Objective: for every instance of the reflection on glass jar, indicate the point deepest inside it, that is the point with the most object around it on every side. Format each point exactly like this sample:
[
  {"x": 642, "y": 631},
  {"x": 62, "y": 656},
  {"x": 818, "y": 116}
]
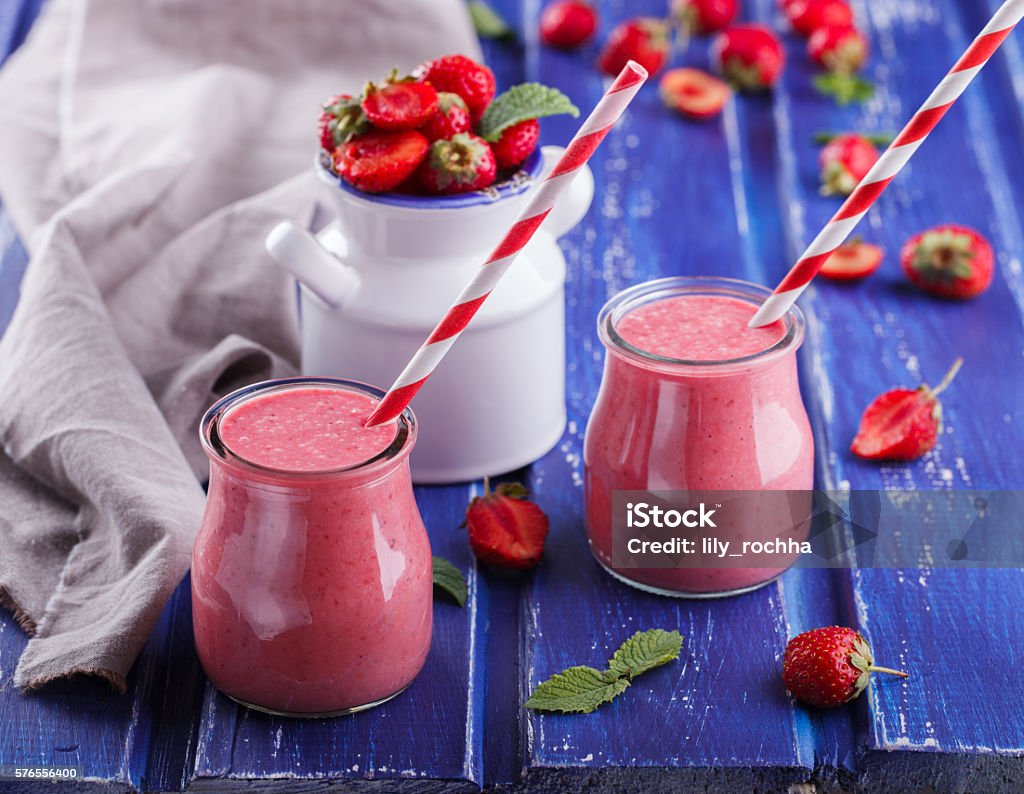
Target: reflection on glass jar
[
  {"x": 311, "y": 572},
  {"x": 693, "y": 400}
]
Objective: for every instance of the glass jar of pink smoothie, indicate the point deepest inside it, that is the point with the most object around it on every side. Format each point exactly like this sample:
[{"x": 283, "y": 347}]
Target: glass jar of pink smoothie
[
  {"x": 311, "y": 572},
  {"x": 694, "y": 400}
]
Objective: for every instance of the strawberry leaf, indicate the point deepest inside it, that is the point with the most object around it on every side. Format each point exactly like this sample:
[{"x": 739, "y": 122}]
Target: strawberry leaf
[
  {"x": 487, "y": 22},
  {"x": 578, "y": 690},
  {"x": 844, "y": 88},
  {"x": 521, "y": 103},
  {"x": 450, "y": 580},
  {"x": 644, "y": 651}
]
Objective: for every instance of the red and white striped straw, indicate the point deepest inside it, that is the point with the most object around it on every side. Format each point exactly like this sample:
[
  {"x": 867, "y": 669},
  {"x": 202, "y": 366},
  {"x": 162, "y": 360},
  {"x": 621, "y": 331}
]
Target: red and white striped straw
[
  {"x": 490, "y": 272},
  {"x": 889, "y": 164}
]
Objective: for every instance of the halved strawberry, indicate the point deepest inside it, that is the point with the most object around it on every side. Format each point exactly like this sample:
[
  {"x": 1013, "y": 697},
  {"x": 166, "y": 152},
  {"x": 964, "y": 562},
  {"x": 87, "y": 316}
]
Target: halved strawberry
[
  {"x": 853, "y": 260},
  {"x": 902, "y": 424},
  {"x": 506, "y": 529},
  {"x": 693, "y": 92},
  {"x": 380, "y": 160},
  {"x": 399, "y": 104}
]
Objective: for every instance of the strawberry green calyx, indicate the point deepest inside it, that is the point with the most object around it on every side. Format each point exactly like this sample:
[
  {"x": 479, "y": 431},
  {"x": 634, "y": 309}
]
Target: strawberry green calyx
[
  {"x": 862, "y": 660},
  {"x": 944, "y": 255},
  {"x": 744, "y": 76},
  {"x": 342, "y": 119},
  {"x": 459, "y": 163},
  {"x": 933, "y": 394}
]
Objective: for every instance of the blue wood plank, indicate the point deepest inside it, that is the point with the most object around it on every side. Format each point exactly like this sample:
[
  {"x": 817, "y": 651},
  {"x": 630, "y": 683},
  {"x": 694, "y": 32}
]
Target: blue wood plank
[
  {"x": 932, "y": 729},
  {"x": 673, "y": 198}
]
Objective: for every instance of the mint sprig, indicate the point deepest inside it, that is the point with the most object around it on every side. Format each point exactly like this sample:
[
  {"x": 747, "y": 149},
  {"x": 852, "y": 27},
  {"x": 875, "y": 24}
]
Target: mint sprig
[
  {"x": 521, "y": 103},
  {"x": 580, "y": 690},
  {"x": 450, "y": 580},
  {"x": 844, "y": 88}
]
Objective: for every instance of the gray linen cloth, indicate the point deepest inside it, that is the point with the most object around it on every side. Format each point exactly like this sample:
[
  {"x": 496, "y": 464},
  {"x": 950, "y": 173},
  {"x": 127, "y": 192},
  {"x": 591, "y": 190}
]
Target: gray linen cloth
[{"x": 146, "y": 147}]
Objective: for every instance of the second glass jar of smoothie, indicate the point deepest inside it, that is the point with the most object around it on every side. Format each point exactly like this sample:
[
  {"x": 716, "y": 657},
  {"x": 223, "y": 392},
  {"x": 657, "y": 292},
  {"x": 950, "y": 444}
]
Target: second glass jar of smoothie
[
  {"x": 694, "y": 400},
  {"x": 311, "y": 571}
]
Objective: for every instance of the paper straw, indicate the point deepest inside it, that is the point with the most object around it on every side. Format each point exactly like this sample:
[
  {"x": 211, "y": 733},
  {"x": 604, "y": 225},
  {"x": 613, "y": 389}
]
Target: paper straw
[
  {"x": 490, "y": 272},
  {"x": 889, "y": 164}
]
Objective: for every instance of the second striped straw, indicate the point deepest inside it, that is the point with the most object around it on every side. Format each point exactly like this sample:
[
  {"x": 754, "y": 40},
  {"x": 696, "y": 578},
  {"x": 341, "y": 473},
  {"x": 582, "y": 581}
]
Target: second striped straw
[{"x": 889, "y": 164}]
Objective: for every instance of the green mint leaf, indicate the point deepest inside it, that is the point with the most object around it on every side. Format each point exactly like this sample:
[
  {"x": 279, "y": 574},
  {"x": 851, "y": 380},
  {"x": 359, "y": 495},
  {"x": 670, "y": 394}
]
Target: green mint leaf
[
  {"x": 644, "y": 651},
  {"x": 450, "y": 580},
  {"x": 578, "y": 690},
  {"x": 844, "y": 88},
  {"x": 488, "y": 22},
  {"x": 582, "y": 689},
  {"x": 520, "y": 103},
  {"x": 879, "y": 139}
]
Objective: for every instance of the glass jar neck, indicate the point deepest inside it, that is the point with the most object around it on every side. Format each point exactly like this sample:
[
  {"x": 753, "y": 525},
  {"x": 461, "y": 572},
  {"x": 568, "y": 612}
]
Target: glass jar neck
[
  {"x": 629, "y": 300},
  {"x": 233, "y": 465}
]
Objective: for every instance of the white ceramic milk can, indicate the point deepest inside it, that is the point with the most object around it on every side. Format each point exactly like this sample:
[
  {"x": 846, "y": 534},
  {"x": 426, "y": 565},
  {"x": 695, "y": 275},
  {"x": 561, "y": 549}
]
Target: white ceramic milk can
[{"x": 375, "y": 281}]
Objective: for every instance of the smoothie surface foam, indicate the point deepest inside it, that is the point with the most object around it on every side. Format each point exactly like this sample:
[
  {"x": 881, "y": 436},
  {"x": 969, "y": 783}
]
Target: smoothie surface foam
[
  {"x": 305, "y": 429},
  {"x": 697, "y": 328}
]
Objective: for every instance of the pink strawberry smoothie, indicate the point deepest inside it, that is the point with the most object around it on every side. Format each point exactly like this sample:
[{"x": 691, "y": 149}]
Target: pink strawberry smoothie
[
  {"x": 311, "y": 572},
  {"x": 693, "y": 399}
]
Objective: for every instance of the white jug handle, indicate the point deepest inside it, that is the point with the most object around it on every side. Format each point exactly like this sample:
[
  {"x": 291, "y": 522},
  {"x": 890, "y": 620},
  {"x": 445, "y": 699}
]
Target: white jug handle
[
  {"x": 574, "y": 203},
  {"x": 302, "y": 255}
]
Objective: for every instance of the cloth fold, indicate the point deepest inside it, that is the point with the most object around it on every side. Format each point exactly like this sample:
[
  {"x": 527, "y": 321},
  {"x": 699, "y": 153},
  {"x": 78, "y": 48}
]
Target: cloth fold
[{"x": 157, "y": 142}]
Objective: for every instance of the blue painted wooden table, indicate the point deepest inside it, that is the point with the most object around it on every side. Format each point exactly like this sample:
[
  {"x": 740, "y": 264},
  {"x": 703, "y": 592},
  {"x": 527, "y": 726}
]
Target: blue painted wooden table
[{"x": 737, "y": 197}]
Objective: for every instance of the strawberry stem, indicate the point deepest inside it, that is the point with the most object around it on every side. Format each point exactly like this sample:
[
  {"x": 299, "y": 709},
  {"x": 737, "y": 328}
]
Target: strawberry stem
[
  {"x": 900, "y": 673},
  {"x": 487, "y": 485},
  {"x": 948, "y": 379}
]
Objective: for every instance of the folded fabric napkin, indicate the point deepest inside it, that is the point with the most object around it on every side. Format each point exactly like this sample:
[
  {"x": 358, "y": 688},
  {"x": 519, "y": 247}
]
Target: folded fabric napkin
[{"x": 146, "y": 147}]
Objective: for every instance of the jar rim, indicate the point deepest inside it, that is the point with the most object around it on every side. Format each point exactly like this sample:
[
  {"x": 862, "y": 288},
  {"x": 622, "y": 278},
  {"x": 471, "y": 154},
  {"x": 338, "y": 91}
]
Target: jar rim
[
  {"x": 638, "y": 295},
  {"x": 216, "y": 449}
]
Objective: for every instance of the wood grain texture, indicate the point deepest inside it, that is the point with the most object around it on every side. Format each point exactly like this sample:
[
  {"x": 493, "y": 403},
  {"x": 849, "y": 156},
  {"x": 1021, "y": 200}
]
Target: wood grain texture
[{"x": 736, "y": 196}]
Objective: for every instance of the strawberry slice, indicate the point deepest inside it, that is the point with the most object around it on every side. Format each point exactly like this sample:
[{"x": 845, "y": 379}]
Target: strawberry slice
[
  {"x": 399, "y": 104},
  {"x": 693, "y": 92},
  {"x": 505, "y": 528},
  {"x": 902, "y": 424},
  {"x": 380, "y": 160},
  {"x": 853, "y": 260}
]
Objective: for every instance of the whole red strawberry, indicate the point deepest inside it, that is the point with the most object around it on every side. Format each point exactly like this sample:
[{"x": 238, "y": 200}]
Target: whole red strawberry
[
  {"x": 829, "y": 666},
  {"x": 566, "y": 24},
  {"x": 750, "y": 56},
  {"x": 808, "y": 16},
  {"x": 516, "y": 143},
  {"x": 380, "y": 160},
  {"x": 700, "y": 17},
  {"x": 399, "y": 104},
  {"x": 949, "y": 261},
  {"x": 450, "y": 118},
  {"x": 341, "y": 118},
  {"x": 902, "y": 424},
  {"x": 458, "y": 165},
  {"x": 460, "y": 75},
  {"x": 644, "y": 40},
  {"x": 506, "y": 529},
  {"x": 845, "y": 161},
  {"x": 838, "y": 48}
]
